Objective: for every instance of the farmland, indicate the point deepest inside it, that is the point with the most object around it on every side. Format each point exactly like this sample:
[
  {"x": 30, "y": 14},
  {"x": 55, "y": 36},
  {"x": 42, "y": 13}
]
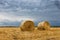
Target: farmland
[{"x": 17, "y": 34}]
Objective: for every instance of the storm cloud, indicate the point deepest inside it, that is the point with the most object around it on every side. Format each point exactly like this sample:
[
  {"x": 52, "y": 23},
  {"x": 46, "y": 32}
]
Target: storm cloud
[{"x": 14, "y": 11}]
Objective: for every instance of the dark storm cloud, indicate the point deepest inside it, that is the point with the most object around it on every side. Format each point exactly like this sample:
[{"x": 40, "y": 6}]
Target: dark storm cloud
[{"x": 27, "y": 9}]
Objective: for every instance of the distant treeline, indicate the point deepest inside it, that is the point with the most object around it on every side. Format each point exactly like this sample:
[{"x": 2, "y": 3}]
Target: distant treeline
[
  {"x": 7, "y": 26},
  {"x": 18, "y": 26},
  {"x": 55, "y": 26}
]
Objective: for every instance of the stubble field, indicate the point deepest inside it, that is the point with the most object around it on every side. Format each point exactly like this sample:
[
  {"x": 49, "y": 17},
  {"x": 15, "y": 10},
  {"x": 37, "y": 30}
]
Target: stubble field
[{"x": 17, "y": 34}]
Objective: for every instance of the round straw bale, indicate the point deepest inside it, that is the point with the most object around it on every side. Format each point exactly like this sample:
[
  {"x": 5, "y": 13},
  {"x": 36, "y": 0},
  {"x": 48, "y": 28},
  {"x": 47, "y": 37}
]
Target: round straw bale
[
  {"x": 45, "y": 25},
  {"x": 27, "y": 25}
]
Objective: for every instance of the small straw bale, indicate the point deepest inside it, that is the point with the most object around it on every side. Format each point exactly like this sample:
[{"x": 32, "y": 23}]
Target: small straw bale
[
  {"x": 27, "y": 25},
  {"x": 45, "y": 25}
]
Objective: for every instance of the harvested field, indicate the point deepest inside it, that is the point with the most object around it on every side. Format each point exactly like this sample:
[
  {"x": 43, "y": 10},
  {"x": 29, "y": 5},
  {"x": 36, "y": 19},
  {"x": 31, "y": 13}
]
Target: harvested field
[{"x": 17, "y": 34}]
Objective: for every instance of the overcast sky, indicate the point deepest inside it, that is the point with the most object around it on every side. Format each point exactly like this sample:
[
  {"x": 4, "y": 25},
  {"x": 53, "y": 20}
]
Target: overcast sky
[{"x": 12, "y": 12}]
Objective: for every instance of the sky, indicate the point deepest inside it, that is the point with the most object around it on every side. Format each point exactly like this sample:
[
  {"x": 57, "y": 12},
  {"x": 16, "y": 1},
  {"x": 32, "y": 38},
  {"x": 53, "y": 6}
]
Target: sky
[{"x": 12, "y": 12}]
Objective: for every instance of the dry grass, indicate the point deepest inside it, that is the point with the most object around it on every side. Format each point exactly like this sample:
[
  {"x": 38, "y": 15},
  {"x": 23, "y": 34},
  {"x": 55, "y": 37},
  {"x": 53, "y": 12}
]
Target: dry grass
[{"x": 17, "y": 34}]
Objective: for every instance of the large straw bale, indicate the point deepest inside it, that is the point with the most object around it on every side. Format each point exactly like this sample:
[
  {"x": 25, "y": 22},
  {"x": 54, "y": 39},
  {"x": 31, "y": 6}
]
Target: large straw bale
[
  {"x": 27, "y": 25},
  {"x": 45, "y": 25}
]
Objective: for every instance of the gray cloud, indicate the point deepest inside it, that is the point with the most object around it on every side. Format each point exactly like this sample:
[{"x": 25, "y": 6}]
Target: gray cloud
[{"x": 17, "y": 10}]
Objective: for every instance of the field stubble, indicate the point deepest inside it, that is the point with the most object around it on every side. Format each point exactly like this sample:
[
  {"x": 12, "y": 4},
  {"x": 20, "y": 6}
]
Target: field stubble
[{"x": 17, "y": 34}]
